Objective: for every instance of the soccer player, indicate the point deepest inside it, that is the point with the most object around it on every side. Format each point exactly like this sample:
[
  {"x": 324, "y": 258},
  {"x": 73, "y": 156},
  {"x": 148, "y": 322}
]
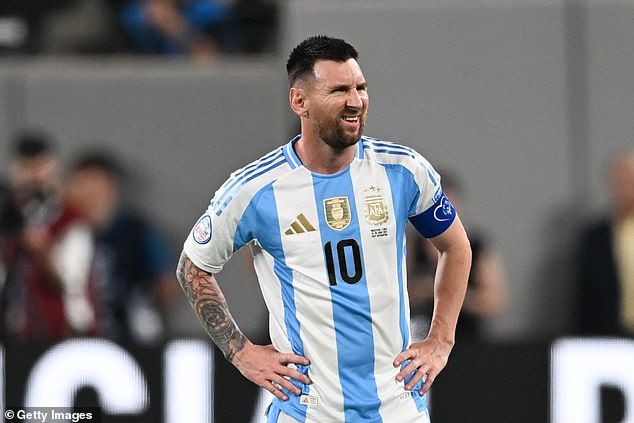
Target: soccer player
[{"x": 325, "y": 217}]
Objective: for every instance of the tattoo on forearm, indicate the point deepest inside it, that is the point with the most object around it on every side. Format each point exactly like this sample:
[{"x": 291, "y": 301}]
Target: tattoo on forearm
[{"x": 210, "y": 306}]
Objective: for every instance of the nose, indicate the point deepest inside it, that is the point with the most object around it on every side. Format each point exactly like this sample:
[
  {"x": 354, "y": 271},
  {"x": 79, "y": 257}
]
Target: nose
[{"x": 355, "y": 100}]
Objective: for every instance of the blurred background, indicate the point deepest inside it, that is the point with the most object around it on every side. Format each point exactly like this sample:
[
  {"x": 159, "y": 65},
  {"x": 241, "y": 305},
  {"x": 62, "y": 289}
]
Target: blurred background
[{"x": 527, "y": 102}]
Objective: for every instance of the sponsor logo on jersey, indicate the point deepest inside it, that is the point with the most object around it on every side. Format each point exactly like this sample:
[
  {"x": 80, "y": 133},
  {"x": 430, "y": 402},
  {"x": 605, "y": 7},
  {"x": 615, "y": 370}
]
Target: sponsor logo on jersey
[
  {"x": 300, "y": 225},
  {"x": 374, "y": 207},
  {"x": 444, "y": 211},
  {"x": 337, "y": 211},
  {"x": 202, "y": 230},
  {"x": 309, "y": 400}
]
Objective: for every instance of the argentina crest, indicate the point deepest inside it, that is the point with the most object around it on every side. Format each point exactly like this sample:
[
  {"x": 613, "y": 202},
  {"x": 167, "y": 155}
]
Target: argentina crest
[
  {"x": 337, "y": 211},
  {"x": 374, "y": 206}
]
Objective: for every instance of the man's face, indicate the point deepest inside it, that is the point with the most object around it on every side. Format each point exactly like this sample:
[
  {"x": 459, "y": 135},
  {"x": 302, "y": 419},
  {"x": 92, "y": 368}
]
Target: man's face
[
  {"x": 337, "y": 100},
  {"x": 93, "y": 192},
  {"x": 37, "y": 174}
]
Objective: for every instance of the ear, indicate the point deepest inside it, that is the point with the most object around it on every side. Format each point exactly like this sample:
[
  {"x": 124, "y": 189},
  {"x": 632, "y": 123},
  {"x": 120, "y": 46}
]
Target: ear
[{"x": 298, "y": 102}]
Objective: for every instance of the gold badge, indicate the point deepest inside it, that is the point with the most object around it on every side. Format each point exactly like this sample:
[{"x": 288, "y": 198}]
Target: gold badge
[
  {"x": 337, "y": 210},
  {"x": 376, "y": 211}
]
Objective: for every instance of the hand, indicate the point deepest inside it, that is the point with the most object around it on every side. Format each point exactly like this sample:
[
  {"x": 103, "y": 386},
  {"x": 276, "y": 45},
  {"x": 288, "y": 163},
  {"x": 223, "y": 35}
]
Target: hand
[
  {"x": 267, "y": 367},
  {"x": 426, "y": 359}
]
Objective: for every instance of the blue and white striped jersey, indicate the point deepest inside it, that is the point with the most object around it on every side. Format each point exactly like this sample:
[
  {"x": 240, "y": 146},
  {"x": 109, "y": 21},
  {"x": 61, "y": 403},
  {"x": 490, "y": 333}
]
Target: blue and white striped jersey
[{"x": 329, "y": 252}]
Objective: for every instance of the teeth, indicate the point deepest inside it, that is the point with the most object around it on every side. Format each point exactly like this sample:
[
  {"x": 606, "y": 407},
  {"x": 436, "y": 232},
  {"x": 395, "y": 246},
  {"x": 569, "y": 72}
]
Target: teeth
[{"x": 350, "y": 118}]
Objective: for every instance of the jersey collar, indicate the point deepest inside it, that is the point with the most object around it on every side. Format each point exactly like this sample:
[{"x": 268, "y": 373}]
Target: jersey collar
[{"x": 294, "y": 161}]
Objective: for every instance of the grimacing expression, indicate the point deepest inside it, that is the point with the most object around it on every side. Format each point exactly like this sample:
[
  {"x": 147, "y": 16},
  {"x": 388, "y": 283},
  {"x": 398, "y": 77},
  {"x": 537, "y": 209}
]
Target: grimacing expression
[{"x": 338, "y": 102}]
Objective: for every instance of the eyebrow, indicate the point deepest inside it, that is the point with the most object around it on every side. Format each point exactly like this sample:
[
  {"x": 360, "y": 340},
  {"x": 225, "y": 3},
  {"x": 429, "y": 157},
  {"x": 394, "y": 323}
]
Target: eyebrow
[{"x": 345, "y": 86}]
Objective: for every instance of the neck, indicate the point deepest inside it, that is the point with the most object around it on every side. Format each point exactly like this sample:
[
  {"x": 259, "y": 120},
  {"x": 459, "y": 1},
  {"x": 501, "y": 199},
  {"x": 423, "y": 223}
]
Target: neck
[{"x": 319, "y": 157}]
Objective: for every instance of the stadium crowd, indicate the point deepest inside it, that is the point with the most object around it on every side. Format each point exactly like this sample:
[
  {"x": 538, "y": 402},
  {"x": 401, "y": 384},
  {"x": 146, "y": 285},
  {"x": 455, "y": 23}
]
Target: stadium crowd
[
  {"x": 200, "y": 29},
  {"x": 75, "y": 260}
]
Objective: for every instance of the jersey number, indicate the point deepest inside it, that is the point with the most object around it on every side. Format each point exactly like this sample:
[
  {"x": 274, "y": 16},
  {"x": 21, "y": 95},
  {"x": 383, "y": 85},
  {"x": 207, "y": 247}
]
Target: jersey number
[{"x": 344, "y": 270}]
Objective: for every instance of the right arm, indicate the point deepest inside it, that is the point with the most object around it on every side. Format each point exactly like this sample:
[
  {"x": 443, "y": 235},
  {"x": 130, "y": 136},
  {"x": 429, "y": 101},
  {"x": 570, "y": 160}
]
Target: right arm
[{"x": 262, "y": 365}]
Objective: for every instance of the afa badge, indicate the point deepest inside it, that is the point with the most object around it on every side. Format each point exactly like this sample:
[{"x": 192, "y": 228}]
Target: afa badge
[
  {"x": 375, "y": 210},
  {"x": 337, "y": 211},
  {"x": 202, "y": 230}
]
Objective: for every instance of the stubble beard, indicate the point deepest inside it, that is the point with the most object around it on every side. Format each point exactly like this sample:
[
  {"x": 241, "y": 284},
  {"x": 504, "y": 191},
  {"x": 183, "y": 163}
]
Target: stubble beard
[{"x": 337, "y": 138}]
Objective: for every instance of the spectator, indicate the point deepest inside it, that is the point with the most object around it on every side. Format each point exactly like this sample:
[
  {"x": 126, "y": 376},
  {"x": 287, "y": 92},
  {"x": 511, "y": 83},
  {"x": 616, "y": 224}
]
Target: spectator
[
  {"x": 487, "y": 289},
  {"x": 22, "y": 23},
  {"x": 134, "y": 261},
  {"x": 196, "y": 28},
  {"x": 606, "y": 259},
  {"x": 48, "y": 254}
]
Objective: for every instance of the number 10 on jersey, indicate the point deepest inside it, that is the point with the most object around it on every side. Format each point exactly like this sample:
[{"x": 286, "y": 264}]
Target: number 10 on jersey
[{"x": 347, "y": 249}]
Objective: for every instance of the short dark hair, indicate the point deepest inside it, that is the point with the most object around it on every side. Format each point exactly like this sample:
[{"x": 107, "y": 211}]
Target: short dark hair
[
  {"x": 30, "y": 144},
  {"x": 302, "y": 59},
  {"x": 103, "y": 161}
]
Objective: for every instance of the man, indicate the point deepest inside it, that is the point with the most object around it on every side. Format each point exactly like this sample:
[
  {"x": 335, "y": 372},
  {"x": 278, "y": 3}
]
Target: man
[
  {"x": 325, "y": 216},
  {"x": 606, "y": 260},
  {"x": 134, "y": 259},
  {"x": 48, "y": 260}
]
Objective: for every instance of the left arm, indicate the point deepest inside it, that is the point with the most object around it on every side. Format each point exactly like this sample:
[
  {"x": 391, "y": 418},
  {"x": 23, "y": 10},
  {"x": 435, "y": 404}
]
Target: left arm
[{"x": 429, "y": 357}]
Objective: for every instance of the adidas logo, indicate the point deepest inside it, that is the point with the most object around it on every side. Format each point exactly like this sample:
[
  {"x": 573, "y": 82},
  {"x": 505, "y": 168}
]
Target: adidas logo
[{"x": 300, "y": 225}]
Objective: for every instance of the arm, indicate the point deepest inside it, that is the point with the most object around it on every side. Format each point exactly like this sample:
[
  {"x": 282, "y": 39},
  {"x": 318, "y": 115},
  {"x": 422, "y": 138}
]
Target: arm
[
  {"x": 262, "y": 365},
  {"x": 429, "y": 357},
  {"x": 488, "y": 296}
]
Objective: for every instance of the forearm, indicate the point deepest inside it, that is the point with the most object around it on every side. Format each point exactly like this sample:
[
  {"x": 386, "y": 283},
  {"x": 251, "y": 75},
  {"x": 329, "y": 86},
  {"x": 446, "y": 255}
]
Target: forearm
[
  {"x": 206, "y": 298},
  {"x": 449, "y": 291}
]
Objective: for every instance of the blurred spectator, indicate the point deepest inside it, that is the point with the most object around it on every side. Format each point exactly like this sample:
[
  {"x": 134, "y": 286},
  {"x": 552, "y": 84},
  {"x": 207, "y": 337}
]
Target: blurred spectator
[
  {"x": 200, "y": 29},
  {"x": 196, "y": 28},
  {"x": 134, "y": 262},
  {"x": 606, "y": 260},
  {"x": 487, "y": 290},
  {"x": 257, "y": 24},
  {"x": 22, "y": 22},
  {"x": 90, "y": 27},
  {"x": 47, "y": 252}
]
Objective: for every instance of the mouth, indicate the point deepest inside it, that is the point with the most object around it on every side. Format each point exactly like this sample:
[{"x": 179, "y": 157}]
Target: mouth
[{"x": 352, "y": 119}]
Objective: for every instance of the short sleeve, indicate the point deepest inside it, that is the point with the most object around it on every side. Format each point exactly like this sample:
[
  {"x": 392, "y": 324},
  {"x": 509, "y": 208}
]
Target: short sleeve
[
  {"x": 212, "y": 241},
  {"x": 432, "y": 212}
]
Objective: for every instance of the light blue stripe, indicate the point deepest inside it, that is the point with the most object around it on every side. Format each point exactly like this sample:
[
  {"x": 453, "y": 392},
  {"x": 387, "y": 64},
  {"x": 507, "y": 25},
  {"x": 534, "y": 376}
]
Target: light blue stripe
[
  {"x": 260, "y": 220},
  {"x": 394, "y": 153},
  {"x": 400, "y": 150},
  {"x": 351, "y": 308},
  {"x": 374, "y": 143},
  {"x": 239, "y": 178},
  {"x": 219, "y": 208},
  {"x": 290, "y": 153},
  {"x": 402, "y": 181},
  {"x": 359, "y": 152},
  {"x": 238, "y": 173}
]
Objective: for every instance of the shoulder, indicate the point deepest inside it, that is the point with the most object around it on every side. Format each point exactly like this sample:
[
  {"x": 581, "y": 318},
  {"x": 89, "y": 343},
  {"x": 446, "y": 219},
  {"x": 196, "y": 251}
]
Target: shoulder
[
  {"x": 387, "y": 152},
  {"x": 400, "y": 158},
  {"x": 245, "y": 183}
]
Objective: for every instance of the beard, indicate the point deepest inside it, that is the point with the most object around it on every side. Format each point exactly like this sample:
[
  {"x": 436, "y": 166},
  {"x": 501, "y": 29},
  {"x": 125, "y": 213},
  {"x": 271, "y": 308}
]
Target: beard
[{"x": 335, "y": 135}]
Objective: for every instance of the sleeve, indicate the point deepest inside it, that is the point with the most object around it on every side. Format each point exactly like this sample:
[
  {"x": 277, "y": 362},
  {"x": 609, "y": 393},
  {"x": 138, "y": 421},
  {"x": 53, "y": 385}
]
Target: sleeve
[
  {"x": 213, "y": 239},
  {"x": 431, "y": 212}
]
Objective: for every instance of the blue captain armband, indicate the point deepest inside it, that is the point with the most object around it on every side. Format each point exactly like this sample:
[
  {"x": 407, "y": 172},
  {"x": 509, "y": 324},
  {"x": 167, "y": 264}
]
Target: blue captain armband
[{"x": 436, "y": 219}]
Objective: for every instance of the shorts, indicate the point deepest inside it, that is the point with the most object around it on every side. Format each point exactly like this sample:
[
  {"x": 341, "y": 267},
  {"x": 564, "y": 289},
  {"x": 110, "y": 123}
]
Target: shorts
[{"x": 275, "y": 415}]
